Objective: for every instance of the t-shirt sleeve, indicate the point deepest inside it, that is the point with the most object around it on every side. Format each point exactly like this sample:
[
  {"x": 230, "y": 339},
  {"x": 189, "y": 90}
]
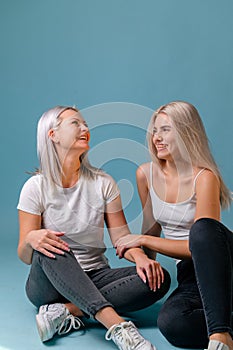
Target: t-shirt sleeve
[
  {"x": 30, "y": 199},
  {"x": 110, "y": 189}
]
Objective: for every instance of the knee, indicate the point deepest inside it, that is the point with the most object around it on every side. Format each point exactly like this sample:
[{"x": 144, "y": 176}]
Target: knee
[{"x": 201, "y": 232}]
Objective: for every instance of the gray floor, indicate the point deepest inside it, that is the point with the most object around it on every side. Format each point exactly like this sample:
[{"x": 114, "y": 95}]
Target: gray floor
[{"x": 17, "y": 323}]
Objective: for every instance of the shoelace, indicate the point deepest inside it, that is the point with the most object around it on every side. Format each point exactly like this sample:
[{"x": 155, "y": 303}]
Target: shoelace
[
  {"x": 70, "y": 322},
  {"x": 129, "y": 337}
]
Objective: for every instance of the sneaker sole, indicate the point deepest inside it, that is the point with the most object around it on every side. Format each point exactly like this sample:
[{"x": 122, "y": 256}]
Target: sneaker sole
[{"x": 42, "y": 329}]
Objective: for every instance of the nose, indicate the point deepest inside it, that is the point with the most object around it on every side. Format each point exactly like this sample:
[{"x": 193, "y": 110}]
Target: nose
[
  {"x": 157, "y": 136},
  {"x": 84, "y": 127}
]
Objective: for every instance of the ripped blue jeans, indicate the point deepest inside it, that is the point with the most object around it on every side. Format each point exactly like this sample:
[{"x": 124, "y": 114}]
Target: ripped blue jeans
[{"x": 63, "y": 280}]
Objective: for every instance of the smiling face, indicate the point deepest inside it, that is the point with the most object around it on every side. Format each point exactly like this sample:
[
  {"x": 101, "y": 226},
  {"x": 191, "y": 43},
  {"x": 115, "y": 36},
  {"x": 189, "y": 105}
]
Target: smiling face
[
  {"x": 71, "y": 133},
  {"x": 164, "y": 138}
]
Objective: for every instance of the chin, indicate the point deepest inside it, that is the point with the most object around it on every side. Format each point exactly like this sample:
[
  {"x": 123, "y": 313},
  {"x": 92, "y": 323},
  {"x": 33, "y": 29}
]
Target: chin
[{"x": 163, "y": 156}]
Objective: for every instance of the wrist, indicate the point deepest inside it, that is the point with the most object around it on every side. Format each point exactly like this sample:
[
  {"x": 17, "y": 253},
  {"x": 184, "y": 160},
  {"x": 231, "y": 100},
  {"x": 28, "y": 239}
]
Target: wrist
[
  {"x": 133, "y": 254},
  {"x": 144, "y": 241},
  {"x": 139, "y": 255}
]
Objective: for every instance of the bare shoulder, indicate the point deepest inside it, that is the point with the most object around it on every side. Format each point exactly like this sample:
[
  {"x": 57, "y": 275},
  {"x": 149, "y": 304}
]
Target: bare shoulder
[
  {"x": 207, "y": 181},
  {"x": 207, "y": 177},
  {"x": 143, "y": 172}
]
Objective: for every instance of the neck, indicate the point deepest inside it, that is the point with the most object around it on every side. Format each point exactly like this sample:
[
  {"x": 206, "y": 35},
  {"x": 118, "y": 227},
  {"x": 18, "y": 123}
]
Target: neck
[
  {"x": 70, "y": 171},
  {"x": 179, "y": 167}
]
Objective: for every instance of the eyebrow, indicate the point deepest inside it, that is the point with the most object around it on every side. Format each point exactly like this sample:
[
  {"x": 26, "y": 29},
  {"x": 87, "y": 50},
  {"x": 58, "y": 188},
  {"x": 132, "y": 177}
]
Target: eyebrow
[
  {"x": 76, "y": 117},
  {"x": 163, "y": 126}
]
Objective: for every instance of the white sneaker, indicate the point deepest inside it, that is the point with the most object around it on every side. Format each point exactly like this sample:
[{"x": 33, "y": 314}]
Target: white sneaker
[
  {"x": 217, "y": 345},
  {"x": 126, "y": 336},
  {"x": 55, "y": 318}
]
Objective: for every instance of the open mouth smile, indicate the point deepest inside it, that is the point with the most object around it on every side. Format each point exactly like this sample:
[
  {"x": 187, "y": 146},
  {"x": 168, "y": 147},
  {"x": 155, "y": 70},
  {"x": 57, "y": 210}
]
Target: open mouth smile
[
  {"x": 84, "y": 137},
  {"x": 161, "y": 147}
]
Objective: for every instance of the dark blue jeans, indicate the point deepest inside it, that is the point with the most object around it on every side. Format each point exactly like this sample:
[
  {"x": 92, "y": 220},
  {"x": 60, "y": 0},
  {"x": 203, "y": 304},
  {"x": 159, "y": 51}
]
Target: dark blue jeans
[
  {"x": 62, "y": 280},
  {"x": 202, "y": 303}
]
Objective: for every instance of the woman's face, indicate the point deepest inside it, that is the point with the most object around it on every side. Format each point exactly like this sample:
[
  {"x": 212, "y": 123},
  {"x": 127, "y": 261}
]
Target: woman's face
[
  {"x": 72, "y": 132},
  {"x": 164, "y": 137}
]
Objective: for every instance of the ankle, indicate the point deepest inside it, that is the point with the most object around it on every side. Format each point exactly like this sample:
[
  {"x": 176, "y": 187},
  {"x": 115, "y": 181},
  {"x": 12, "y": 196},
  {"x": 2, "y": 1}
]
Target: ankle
[
  {"x": 108, "y": 317},
  {"x": 74, "y": 310},
  {"x": 224, "y": 338}
]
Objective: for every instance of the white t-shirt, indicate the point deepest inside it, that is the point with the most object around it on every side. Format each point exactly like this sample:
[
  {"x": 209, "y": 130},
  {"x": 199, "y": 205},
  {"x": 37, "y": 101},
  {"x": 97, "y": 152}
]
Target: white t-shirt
[{"x": 78, "y": 211}]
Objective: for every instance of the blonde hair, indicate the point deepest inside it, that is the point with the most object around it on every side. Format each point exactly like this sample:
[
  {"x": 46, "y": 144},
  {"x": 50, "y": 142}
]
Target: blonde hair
[
  {"x": 191, "y": 132},
  {"x": 50, "y": 165}
]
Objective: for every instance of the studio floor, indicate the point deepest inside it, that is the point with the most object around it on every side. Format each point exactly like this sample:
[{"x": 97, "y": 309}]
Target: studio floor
[{"x": 17, "y": 323}]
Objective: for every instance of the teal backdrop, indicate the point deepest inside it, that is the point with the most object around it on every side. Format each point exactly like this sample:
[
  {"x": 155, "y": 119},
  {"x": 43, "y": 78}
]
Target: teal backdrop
[{"x": 103, "y": 54}]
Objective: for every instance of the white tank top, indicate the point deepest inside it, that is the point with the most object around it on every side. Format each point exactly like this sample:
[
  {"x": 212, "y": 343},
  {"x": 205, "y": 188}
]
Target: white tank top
[{"x": 175, "y": 219}]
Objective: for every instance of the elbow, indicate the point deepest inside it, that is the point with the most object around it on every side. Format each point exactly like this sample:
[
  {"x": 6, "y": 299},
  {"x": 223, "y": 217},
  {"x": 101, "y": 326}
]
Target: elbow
[
  {"x": 25, "y": 259},
  {"x": 19, "y": 253},
  {"x": 26, "y": 262}
]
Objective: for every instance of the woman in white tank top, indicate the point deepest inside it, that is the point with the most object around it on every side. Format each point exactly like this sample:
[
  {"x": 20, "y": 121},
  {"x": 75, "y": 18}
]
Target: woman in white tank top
[{"x": 182, "y": 193}]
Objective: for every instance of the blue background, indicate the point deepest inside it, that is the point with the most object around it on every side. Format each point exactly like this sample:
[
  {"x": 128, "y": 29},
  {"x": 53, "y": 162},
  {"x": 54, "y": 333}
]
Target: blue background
[
  {"x": 88, "y": 52},
  {"x": 116, "y": 60}
]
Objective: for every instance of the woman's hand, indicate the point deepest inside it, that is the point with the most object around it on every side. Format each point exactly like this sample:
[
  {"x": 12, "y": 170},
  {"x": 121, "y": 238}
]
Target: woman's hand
[
  {"x": 47, "y": 242},
  {"x": 126, "y": 242},
  {"x": 150, "y": 271}
]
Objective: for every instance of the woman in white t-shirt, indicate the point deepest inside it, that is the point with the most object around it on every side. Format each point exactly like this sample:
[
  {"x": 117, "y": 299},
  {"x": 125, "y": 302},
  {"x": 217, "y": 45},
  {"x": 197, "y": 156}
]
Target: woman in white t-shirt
[
  {"x": 182, "y": 192},
  {"x": 62, "y": 210}
]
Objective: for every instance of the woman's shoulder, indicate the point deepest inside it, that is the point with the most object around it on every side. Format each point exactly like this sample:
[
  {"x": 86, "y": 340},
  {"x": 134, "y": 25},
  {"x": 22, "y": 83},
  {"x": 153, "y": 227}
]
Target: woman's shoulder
[
  {"x": 206, "y": 177},
  {"x": 104, "y": 180},
  {"x": 30, "y": 199},
  {"x": 143, "y": 173},
  {"x": 144, "y": 168},
  {"x": 33, "y": 180},
  {"x": 107, "y": 186}
]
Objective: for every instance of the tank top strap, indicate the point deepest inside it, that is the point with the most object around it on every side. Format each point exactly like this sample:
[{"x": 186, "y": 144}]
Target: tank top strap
[{"x": 195, "y": 179}]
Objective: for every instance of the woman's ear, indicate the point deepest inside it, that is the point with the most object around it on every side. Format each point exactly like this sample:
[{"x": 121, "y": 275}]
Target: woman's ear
[{"x": 52, "y": 135}]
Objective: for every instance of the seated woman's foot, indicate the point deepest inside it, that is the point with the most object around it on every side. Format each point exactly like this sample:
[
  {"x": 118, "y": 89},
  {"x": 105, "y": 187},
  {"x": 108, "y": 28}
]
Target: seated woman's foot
[
  {"x": 126, "y": 336},
  {"x": 55, "y": 318}
]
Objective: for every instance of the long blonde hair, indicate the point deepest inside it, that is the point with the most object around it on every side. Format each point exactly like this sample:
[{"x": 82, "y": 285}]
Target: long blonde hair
[
  {"x": 191, "y": 131},
  {"x": 50, "y": 165}
]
